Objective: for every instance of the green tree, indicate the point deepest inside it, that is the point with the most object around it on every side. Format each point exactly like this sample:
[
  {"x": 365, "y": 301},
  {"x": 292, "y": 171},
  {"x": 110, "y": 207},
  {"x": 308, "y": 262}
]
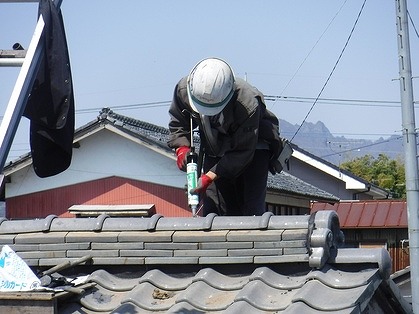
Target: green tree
[{"x": 382, "y": 171}]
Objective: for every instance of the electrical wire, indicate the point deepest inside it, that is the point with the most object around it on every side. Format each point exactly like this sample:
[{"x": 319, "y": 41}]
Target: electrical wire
[
  {"x": 127, "y": 107},
  {"x": 311, "y": 50},
  {"x": 413, "y": 24},
  {"x": 364, "y": 146},
  {"x": 336, "y": 101},
  {"x": 332, "y": 71}
]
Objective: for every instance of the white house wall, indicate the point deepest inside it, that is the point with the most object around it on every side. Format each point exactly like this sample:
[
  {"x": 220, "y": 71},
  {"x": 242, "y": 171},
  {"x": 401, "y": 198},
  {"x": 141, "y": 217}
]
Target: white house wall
[
  {"x": 101, "y": 155},
  {"x": 320, "y": 179}
]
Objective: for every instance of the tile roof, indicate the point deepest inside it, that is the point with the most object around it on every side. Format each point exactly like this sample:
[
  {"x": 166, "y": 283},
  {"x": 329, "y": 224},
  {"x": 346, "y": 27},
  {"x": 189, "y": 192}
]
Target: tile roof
[
  {"x": 285, "y": 182},
  {"x": 263, "y": 264},
  {"x": 368, "y": 214}
]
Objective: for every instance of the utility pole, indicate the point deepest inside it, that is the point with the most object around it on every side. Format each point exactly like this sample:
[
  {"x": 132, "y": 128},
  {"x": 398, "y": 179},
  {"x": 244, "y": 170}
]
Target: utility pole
[{"x": 409, "y": 143}]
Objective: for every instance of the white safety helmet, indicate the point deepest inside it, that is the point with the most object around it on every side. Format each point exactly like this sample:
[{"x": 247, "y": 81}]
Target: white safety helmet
[{"x": 210, "y": 86}]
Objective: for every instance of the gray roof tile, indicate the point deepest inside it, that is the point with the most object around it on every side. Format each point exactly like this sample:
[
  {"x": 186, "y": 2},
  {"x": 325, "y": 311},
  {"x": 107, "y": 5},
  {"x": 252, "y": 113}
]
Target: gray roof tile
[
  {"x": 111, "y": 282},
  {"x": 209, "y": 291},
  {"x": 267, "y": 264},
  {"x": 276, "y": 280}
]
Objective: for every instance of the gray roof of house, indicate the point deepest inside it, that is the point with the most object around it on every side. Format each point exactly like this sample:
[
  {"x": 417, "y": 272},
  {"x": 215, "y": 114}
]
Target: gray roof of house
[{"x": 213, "y": 264}]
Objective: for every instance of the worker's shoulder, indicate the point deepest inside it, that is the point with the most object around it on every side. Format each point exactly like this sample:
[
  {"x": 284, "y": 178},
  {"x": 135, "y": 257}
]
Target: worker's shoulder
[
  {"x": 248, "y": 95},
  {"x": 182, "y": 83},
  {"x": 246, "y": 90},
  {"x": 180, "y": 89}
]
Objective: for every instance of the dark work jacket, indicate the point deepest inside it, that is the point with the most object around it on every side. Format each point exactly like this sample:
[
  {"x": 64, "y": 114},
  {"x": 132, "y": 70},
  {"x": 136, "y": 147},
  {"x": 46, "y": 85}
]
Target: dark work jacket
[
  {"x": 233, "y": 135},
  {"x": 50, "y": 106}
]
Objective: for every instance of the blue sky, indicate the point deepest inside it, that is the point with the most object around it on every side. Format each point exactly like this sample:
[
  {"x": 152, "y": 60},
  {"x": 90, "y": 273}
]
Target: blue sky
[{"x": 128, "y": 54}]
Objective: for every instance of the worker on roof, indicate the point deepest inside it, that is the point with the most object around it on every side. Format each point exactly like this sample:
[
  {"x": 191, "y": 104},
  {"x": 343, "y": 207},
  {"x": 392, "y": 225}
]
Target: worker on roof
[{"x": 239, "y": 138}]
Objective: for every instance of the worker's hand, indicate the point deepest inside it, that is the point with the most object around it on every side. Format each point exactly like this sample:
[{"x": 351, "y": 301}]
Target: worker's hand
[
  {"x": 275, "y": 166},
  {"x": 181, "y": 154},
  {"x": 202, "y": 185}
]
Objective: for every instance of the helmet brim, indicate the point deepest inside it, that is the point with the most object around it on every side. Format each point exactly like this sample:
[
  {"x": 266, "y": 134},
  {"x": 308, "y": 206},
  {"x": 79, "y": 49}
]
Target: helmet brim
[{"x": 208, "y": 109}]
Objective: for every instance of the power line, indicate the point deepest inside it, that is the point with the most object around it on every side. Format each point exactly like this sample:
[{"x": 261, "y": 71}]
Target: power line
[
  {"x": 311, "y": 50},
  {"x": 364, "y": 146},
  {"x": 127, "y": 107},
  {"x": 413, "y": 24},
  {"x": 332, "y": 71},
  {"x": 335, "y": 101}
]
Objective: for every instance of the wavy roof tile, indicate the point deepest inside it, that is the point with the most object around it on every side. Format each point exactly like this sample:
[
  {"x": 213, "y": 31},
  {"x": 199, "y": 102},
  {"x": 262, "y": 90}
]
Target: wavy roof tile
[{"x": 213, "y": 264}]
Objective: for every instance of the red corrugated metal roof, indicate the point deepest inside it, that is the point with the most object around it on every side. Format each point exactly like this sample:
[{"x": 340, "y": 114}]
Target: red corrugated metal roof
[{"x": 368, "y": 214}]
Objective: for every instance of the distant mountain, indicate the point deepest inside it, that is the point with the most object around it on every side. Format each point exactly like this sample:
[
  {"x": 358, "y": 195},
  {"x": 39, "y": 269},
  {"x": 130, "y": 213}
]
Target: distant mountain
[{"x": 316, "y": 139}]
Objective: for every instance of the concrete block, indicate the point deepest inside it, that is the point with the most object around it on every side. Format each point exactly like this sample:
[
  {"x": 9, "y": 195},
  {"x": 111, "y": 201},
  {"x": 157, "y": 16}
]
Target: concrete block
[
  {"x": 225, "y": 245},
  {"x": 93, "y": 253},
  {"x": 65, "y": 246},
  {"x": 146, "y": 253},
  {"x": 55, "y": 261},
  {"x": 31, "y": 262},
  {"x": 295, "y": 234},
  {"x": 7, "y": 239},
  {"x": 88, "y": 236},
  {"x": 118, "y": 246},
  {"x": 255, "y": 252},
  {"x": 118, "y": 261},
  {"x": 293, "y": 251},
  {"x": 171, "y": 246},
  {"x": 254, "y": 235},
  {"x": 199, "y": 253},
  {"x": 42, "y": 254},
  {"x": 38, "y": 238},
  {"x": 280, "y": 244},
  {"x": 226, "y": 260},
  {"x": 171, "y": 261},
  {"x": 145, "y": 236},
  {"x": 24, "y": 247},
  {"x": 200, "y": 236}
]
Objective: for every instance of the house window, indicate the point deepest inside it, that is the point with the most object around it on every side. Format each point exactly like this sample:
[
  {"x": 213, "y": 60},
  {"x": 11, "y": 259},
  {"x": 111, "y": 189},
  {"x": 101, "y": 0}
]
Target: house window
[{"x": 284, "y": 210}]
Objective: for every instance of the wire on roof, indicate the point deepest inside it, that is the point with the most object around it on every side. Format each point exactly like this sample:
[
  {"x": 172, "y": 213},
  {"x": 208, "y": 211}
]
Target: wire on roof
[{"x": 332, "y": 71}]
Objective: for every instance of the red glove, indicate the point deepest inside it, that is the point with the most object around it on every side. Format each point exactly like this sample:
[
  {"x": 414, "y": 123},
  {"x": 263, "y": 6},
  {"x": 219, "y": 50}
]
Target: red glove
[
  {"x": 181, "y": 153},
  {"x": 202, "y": 185}
]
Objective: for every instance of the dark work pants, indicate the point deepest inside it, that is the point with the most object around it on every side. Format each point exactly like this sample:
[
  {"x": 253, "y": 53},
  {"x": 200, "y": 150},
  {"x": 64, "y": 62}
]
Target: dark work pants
[{"x": 241, "y": 196}]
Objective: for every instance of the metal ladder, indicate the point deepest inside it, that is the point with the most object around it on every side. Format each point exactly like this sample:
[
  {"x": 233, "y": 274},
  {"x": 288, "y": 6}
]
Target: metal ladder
[{"x": 29, "y": 61}]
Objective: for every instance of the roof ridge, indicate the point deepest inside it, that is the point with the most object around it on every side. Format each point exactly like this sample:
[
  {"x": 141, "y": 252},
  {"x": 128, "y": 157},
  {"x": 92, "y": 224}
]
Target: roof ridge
[
  {"x": 189, "y": 240},
  {"x": 108, "y": 114}
]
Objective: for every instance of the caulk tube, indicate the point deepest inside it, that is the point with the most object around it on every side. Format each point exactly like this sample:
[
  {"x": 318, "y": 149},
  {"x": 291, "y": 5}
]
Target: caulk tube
[{"x": 192, "y": 179}]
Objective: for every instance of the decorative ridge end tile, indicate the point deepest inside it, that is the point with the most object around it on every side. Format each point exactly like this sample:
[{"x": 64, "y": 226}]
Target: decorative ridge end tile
[
  {"x": 324, "y": 236},
  {"x": 379, "y": 256}
]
